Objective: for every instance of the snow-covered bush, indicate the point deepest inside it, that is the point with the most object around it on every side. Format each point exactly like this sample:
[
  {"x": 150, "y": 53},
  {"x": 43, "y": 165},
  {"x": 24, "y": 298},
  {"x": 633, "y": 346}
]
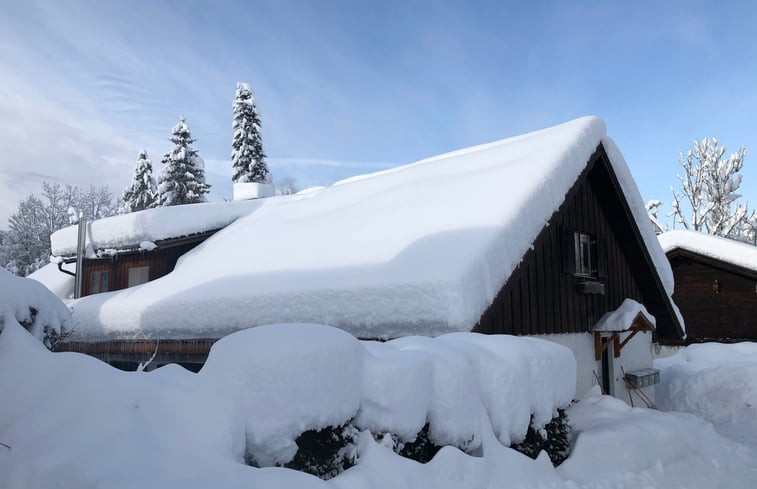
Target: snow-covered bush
[
  {"x": 326, "y": 453},
  {"x": 29, "y": 303},
  {"x": 553, "y": 439},
  {"x": 310, "y": 383}
]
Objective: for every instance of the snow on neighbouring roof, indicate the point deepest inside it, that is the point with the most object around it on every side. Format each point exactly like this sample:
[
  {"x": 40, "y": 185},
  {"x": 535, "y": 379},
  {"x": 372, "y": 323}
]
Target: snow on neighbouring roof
[
  {"x": 419, "y": 249},
  {"x": 127, "y": 231},
  {"x": 722, "y": 249},
  {"x": 622, "y": 318}
]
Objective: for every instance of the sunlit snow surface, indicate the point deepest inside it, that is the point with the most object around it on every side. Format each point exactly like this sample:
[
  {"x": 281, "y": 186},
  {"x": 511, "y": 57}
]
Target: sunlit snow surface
[
  {"x": 420, "y": 249},
  {"x": 717, "y": 382},
  {"x": 73, "y": 421}
]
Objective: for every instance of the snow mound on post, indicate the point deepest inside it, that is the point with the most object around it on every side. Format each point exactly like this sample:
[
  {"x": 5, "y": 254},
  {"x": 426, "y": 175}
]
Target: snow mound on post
[
  {"x": 29, "y": 303},
  {"x": 722, "y": 249}
]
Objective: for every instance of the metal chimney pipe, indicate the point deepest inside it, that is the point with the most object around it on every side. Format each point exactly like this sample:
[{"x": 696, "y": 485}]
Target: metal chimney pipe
[{"x": 81, "y": 244}]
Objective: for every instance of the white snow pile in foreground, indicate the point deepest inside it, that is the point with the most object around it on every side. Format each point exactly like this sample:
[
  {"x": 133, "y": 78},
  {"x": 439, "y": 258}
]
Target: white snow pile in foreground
[
  {"x": 621, "y": 318},
  {"x": 30, "y": 304},
  {"x": 722, "y": 249},
  {"x": 128, "y": 231},
  {"x": 61, "y": 284},
  {"x": 417, "y": 250},
  {"x": 73, "y": 421},
  {"x": 715, "y": 381}
]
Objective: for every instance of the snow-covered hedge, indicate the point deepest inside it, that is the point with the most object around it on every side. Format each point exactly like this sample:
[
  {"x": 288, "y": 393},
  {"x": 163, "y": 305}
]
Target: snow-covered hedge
[
  {"x": 266, "y": 389},
  {"x": 310, "y": 377},
  {"x": 30, "y": 304}
]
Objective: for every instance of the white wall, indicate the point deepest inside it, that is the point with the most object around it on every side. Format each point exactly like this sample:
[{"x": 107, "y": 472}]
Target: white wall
[
  {"x": 637, "y": 354},
  {"x": 582, "y": 345}
]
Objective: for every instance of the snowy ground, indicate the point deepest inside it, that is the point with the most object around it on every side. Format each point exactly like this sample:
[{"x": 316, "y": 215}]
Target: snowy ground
[
  {"x": 72, "y": 421},
  {"x": 716, "y": 382}
]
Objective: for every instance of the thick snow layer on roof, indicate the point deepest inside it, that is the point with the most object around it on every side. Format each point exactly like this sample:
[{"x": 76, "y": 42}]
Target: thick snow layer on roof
[
  {"x": 127, "y": 231},
  {"x": 420, "y": 249},
  {"x": 726, "y": 250},
  {"x": 621, "y": 318}
]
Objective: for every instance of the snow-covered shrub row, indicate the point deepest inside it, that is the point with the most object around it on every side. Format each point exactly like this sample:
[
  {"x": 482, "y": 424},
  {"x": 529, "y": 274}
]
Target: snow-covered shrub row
[
  {"x": 72, "y": 421},
  {"x": 30, "y": 304},
  {"x": 310, "y": 377}
]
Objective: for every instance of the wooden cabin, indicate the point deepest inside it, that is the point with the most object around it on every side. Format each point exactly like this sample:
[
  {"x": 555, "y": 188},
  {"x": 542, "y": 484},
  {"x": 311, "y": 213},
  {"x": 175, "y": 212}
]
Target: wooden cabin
[
  {"x": 131, "y": 249},
  {"x": 554, "y": 240},
  {"x": 716, "y": 287},
  {"x": 109, "y": 271}
]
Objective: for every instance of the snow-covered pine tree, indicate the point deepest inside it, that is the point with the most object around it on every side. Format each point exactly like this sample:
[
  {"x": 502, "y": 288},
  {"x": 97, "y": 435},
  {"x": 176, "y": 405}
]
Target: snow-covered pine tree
[
  {"x": 143, "y": 191},
  {"x": 183, "y": 178},
  {"x": 247, "y": 156}
]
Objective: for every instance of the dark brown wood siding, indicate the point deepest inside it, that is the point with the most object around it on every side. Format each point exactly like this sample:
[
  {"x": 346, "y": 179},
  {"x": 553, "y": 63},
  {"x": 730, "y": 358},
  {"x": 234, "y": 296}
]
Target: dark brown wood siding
[
  {"x": 160, "y": 260},
  {"x": 541, "y": 295},
  {"x": 728, "y": 315}
]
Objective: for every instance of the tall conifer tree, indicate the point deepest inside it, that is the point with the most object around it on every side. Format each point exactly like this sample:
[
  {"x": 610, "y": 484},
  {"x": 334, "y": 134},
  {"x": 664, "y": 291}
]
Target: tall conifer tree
[
  {"x": 183, "y": 177},
  {"x": 247, "y": 156},
  {"x": 143, "y": 191}
]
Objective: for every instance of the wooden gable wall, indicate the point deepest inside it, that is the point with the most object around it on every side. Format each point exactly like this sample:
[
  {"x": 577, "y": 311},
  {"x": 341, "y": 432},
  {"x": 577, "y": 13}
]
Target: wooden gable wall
[
  {"x": 726, "y": 311},
  {"x": 160, "y": 260},
  {"x": 541, "y": 297}
]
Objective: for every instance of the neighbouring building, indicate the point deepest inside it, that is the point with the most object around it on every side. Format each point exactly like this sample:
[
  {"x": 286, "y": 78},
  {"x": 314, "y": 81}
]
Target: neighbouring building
[{"x": 716, "y": 287}]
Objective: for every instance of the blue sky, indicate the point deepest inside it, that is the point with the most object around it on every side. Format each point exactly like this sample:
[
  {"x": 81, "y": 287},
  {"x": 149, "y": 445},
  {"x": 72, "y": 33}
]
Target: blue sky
[{"x": 351, "y": 87}]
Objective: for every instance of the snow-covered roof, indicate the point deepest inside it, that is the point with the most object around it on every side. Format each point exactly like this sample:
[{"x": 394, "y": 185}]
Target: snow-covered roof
[
  {"x": 722, "y": 249},
  {"x": 622, "y": 318},
  {"x": 419, "y": 249},
  {"x": 128, "y": 231}
]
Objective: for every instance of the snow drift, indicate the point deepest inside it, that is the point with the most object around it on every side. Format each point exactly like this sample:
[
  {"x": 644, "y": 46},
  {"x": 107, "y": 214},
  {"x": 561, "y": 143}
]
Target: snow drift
[{"x": 715, "y": 381}]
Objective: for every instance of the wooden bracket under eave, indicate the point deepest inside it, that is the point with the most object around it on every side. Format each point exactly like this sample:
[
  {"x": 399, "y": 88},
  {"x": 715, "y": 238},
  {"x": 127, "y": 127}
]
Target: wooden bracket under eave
[
  {"x": 600, "y": 346},
  {"x": 639, "y": 324}
]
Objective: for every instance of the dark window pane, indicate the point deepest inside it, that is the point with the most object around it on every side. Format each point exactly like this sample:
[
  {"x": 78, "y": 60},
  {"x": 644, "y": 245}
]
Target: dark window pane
[
  {"x": 95, "y": 286},
  {"x": 104, "y": 282}
]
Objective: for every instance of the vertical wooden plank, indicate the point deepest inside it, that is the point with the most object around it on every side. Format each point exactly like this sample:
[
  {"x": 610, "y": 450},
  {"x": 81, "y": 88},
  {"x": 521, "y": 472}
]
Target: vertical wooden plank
[
  {"x": 533, "y": 297},
  {"x": 552, "y": 312},
  {"x": 525, "y": 306},
  {"x": 517, "y": 308}
]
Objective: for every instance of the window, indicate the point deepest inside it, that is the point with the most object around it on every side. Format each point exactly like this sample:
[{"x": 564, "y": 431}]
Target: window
[
  {"x": 99, "y": 282},
  {"x": 585, "y": 253},
  {"x": 138, "y": 275}
]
